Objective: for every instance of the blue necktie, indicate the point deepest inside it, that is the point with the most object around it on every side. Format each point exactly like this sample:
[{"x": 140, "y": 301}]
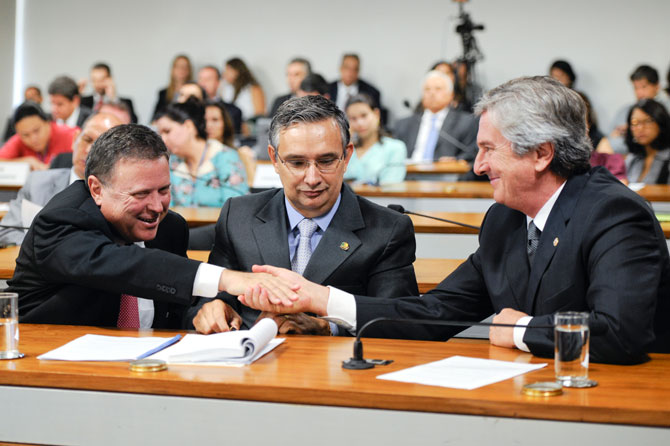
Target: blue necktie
[
  {"x": 431, "y": 141},
  {"x": 303, "y": 253}
]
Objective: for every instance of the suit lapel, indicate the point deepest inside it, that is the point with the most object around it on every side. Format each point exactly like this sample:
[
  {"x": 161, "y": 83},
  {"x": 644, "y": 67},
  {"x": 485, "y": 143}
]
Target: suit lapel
[
  {"x": 271, "y": 233},
  {"x": 516, "y": 264},
  {"x": 553, "y": 233},
  {"x": 339, "y": 241}
]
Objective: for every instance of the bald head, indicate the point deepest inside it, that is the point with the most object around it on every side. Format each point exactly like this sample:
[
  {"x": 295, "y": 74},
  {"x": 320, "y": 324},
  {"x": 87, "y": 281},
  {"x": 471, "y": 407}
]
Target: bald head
[{"x": 94, "y": 126}]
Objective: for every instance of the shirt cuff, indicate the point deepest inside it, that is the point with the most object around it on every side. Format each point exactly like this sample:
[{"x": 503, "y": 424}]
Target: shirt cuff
[
  {"x": 520, "y": 331},
  {"x": 341, "y": 309},
  {"x": 207, "y": 278}
]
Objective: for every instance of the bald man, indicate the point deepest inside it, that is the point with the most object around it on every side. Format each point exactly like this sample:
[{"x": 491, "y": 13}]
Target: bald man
[{"x": 42, "y": 185}]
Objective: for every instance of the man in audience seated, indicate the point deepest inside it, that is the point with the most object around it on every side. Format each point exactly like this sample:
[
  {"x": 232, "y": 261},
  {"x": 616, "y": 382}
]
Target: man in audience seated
[
  {"x": 646, "y": 85},
  {"x": 31, "y": 93},
  {"x": 104, "y": 90},
  {"x": 209, "y": 78},
  {"x": 440, "y": 132},
  {"x": 42, "y": 185},
  {"x": 350, "y": 84},
  {"x": 65, "y": 102},
  {"x": 313, "y": 84},
  {"x": 315, "y": 225},
  {"x": 101, "y": 242},
  {"x": 37, "y": 138},
  {"x": 296, "y": 70},
  {"x": 562, "y": 237}
]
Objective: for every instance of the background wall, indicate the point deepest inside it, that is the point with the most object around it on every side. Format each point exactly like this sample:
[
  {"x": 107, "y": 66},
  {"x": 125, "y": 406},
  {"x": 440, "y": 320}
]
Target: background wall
[
  {"x": 397, "y": 41},
  {"x": 7, "y": 13}
]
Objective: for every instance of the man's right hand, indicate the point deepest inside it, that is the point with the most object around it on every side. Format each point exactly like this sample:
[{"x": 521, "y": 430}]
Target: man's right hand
[
  {"x": 215, "y": 317},
  {"x": 278, "y": 289}
]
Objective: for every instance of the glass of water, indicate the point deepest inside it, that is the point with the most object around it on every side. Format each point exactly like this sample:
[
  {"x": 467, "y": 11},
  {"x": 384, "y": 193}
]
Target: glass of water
[
  {"x": 571, "y": 351},
  {"x": 9, "y": 326}
]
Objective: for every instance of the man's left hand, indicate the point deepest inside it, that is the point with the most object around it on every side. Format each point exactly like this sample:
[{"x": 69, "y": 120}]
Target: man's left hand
[
  {"x": 298, "y": 323},
  {"x": 504, "y": 336}
]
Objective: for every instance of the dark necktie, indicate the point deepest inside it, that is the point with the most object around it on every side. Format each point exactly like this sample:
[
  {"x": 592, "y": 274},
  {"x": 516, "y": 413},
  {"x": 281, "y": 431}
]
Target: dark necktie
[
  {"x": 533, "y": 240},
  {"x": 129, "y": 315}
]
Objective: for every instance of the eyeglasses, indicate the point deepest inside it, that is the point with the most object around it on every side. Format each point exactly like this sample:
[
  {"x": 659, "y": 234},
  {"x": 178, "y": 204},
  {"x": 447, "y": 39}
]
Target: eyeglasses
[
  {"x": 642, "y": 123},
  {"x": 299, "y": 166}
]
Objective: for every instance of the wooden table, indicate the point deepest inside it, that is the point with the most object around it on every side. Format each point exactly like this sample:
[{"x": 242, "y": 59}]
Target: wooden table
[
  {"x": 439, "y": 168},
  {"x": 299, "y": 393},
  {"x": 198, "y": 216}
]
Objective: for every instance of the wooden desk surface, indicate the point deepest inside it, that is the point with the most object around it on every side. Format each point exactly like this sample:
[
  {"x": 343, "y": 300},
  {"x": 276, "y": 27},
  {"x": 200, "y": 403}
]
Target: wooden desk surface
[
  {"x": 439, "y": 167},
  {"x": 198, "y": 216},
  {"x": 634, "y": 395}
]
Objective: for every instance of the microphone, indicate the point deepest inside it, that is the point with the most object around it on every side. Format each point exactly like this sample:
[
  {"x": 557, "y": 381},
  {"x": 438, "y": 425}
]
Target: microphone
[
  {"x": 402, "y": 210},
  {"x": 357, "y": 362}
]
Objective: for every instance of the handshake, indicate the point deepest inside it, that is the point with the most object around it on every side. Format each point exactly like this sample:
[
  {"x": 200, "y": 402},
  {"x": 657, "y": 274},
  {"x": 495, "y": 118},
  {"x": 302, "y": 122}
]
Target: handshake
[{"x": 280, "y": 294}]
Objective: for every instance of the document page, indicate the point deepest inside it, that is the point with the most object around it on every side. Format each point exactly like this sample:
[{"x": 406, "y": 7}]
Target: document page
[
  {"x": 108, "y": 348},
  {"x": 460, "y": 372}
]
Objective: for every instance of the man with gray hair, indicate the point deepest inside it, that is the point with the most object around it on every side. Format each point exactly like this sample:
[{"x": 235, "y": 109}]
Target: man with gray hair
[
  {"x": 561, "y": 237},
  {"x": 438, "y": 132},
  {"x": 315, "y": 225},
  {"x": 107, "y": 251}
]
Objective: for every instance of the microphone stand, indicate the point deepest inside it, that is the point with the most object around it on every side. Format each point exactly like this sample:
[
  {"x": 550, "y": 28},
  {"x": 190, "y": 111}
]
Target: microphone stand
[{"x": 402, "y": 210}]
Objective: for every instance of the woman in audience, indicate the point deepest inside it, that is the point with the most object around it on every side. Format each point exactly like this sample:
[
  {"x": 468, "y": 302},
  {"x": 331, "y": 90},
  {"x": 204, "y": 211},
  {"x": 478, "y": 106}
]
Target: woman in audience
[
  {"x": 562, "y": 71},
  {"x": 203, "y": 171},
  {"x": 378, "y": 158},
  {"x": 242, "y": 89},
  {"x": 648, "y": 141},
  {"x": 180, "y": 73},
  {"x": 37, "y": 139},
  {"x": 219, "y": 126}
]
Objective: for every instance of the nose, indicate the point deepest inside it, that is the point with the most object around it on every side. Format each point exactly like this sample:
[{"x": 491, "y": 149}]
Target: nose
[
  {"x": 312, "y": 175},
  {"x": 481, "y": 166},
  {"x": 155, "y": 202}
]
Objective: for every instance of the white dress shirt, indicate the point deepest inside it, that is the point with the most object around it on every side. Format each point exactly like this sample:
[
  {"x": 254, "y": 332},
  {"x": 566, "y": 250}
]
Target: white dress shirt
[{"x": 424, "y": 131}]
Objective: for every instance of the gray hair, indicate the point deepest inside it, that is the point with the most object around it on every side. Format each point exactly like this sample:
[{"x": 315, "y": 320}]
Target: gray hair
[
  {"x": 308, "y": 109},
  {"x": 530, "y": 111},
  {"x": 127, "y": 141},
  {"x": 435, "y": 73}
]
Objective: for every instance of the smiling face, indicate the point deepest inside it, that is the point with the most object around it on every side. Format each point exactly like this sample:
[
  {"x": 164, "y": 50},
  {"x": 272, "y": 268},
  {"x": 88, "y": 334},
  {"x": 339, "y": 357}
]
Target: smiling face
[
  {"x": 135, "y": 198},
  {"x": 513, "y": 177},
  {"x": 311, "y": 192}
]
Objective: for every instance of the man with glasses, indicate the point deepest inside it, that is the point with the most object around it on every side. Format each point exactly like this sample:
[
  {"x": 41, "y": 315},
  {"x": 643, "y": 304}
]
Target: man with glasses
[{"x": 315, "y": 225}]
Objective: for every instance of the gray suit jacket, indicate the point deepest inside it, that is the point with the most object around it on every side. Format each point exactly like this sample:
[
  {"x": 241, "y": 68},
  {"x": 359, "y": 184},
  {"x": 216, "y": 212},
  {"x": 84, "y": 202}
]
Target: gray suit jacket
[
  {"x": 40, "y": 187},
  {"x": 458, "y": 135},
  {"x": 377, "y": 258}
]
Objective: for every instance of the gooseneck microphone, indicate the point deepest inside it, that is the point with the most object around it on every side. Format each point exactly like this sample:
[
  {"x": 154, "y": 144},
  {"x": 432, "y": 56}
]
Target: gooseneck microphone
[
  {"x": 358, "y": 362},
  {"x": 402, "y": 210}
]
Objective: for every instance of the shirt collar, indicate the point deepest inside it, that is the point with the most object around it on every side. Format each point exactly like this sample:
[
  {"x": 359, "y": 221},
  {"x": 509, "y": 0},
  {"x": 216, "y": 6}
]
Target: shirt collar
[
  {"x": 540, "y": 219},
  {"x": 73, "y": 176},
  {"x": 323, "y": 221},
  {"x": 427, "y": 114}
]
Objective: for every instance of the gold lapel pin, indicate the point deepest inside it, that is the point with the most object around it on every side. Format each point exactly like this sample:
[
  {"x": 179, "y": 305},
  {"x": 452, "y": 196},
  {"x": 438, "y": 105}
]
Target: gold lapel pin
[
  {"x": 555, "y": 242},
  {"x": 344, "y": 246}
]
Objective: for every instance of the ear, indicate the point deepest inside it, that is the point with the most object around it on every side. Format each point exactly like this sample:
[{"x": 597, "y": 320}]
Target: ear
[
  {"x": 77, "y": 100},
  {"x": 95, "y": 187},
  {"x": 191, "y": 128},
  {"x": 273, "y": 158},
  {"x": 349, "y": 152},
  {"x": 544, "y": 154}
]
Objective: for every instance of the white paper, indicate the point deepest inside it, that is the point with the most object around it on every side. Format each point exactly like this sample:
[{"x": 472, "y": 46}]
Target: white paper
[
  {"x": 238, "y": 347},
  {"x": 104, "y": 348},
  {"x": 636, "y": 187},
  {"x": 266, "y": 177},
  {"x": 460, "y": 372},
  {"x": 28, "y": 212}
]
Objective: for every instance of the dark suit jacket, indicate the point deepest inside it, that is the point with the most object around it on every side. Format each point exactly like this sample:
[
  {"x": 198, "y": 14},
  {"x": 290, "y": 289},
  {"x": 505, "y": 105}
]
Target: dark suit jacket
[
  {"x": 87, "y": 101},
  {"x": 457, "y": 125},
  {"x": 279, "y": 100},
  {"x": 84, "y": 113},
  {"x": 61, "y": 161},
  {"x": 253, "y": 229},
  {"x": 602, "y": 251},
  {"x": 69, "y": 271},
  {"x": 363, "y": 87}
]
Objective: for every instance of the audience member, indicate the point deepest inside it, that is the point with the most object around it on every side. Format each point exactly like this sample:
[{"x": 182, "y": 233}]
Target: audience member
[
  {"x": 203, "y": 171},
  {"x": 104, "y": 90},
  {"x": 31, "y": 93},
  {"x": 312, "y": 85},
  {"x": 646, "y": 85},
  {"x": 180, "y": 73},
  {"x": 107, "y": 251},
  {"x": 439, "y": 132},
  {"x": 648, "y": 141},
  {"x": 42, "y": 185},
  {"x": 458, "y": 102},
  {"x": 377, "y": 157},
  {"x": 296, "y": 70},
  {"x": 37, "y": 139},
  {"x": 562, "y": 237},
  {"x": 209, "y": 79},
  {"x": 242, "y": 89},
  {"x": 66, "y": 108},
  {"x": 190, "y": 89},
  {"x": 350, "y": 84},
  {"x": 315, "y": 224},
  {"x": 561, "y": 70}
]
